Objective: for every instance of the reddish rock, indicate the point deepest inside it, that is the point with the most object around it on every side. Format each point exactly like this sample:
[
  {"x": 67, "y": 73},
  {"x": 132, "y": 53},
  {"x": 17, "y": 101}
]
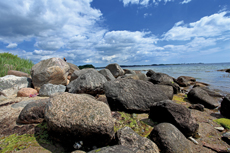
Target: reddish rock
[
  {"x": 18, "y": 73},
  {"x": 26, "y": 92}
]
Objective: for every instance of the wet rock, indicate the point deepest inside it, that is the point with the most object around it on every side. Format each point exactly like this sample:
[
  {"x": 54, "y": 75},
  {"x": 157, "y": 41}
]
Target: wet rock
[
  {"x": 107, "y": 74},
  {"x": 90, "y": 82},
  {"x": 26, "y": 92},
  {"x": 127, "y": 137},
  {"x": 76, "y": 117},
  {"x": 132, "y": 95},
  {"x": 49, "y": 89},
  {"x": 53, "y": 70},
  {"x": 200, "y": 84},
  {"x": 78, "y": 73},
  {"x": 198, "y": 95},
  {"x": 115, "y": 69},
  {"x": 185, "y": 81},
  {"x": 176, "y": 114},
  {"x": 18, "y": 73},
  {"x": 11, "y": 84},
  {"x": 225, "y": 106},
  {"x": 199, "y": 107},
  {"x": 33, "y": 112},
  {"x": 169, "y": 139},
  {"x": 113, "y": 149}
]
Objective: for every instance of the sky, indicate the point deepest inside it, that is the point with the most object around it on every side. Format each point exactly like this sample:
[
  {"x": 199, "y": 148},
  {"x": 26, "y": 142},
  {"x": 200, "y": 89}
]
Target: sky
[{"x": 127, "y": 32}]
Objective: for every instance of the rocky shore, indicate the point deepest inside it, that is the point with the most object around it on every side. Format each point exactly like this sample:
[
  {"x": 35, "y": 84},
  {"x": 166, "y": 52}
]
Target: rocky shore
[{"x": 60, "y": 108}]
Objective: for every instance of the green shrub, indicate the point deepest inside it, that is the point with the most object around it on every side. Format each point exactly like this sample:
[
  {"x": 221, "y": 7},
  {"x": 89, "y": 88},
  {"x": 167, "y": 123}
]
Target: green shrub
[
  {"x": 86, "y": 66},
  {"x": 9, "y": 61}
]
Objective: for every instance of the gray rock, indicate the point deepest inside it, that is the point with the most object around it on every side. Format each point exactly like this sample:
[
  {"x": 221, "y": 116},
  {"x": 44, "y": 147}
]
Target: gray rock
[
  {"x": 185, "y": 81},
  {"x": 72, "y": 68},
  {"x": 115, "y": 69},
  {"x": 132, "y": 95},
  {"x": 225, "y": 106},
  {"x": 90, "y": 82},
  {"x": 78, "y": 73},
  {"x": 164, "y": 79},
  {"x": 33, "y": 112},
  {"x": 22, "y": 103},
  {"x": 199, "y": 107},
  {"x": 76, "y": 117},
  {"x": 53, "y": 70},
  {"x": 169, "y": 139},
  {"x": 198, "y": 95},
  {"x": 140, "y": 76},
  {"x": 127, "y": 137},
  {"x": 18, "y": 73},
  {"x": 49, "y": 89},
  {"x": 107, "y": 74},
  {"x": 10, "y": 84},
  {"x": 176, "y": 114},
  {"x": 129, "y": 71},
  {"x": 113, "y": 149},
  {"x": 150, "y": 73},
  {"x": 168, "y": 90}
]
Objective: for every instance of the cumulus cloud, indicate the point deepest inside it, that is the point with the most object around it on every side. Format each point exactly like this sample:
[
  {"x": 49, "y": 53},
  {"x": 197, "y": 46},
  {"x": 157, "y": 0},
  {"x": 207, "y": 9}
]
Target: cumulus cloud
[
  {"x": 149, "y": 2},
  {"x": 208, "y": 26},
  {"x": 12, "y": 45}
]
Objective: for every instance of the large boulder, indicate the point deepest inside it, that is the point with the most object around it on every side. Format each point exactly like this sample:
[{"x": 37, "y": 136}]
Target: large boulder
[
  {"x": 90, "y": 82},
  {"x": 33, "y": 112},
  {"x": 169, "y": 139},
  {"x": 127, "y": 137},
  {"x": 113, "y": 149},
  {"x": 176, "y": 114},
  {"x": 53, "y": 70},
  {"x": 107, "y": 74},
  {"x": 18, "y": 73},
  {"x": 168, "y": 90},
  {"x": 185, "y": 81},
  {"x": 10, "y": 84},
  {"x": 225, "y": 106},
  {"x": 115, "y": 69},
  {"x": 78, "y": 73},
  {"x": 198, "y": 95},
  {"x": 49, "y": 89},
  {"x": 132, "y": 95},
  {"x": 72, "y": 68},
  {"x": 140, "y": 76},
  {"x": 164, "y": 79},
  {"x": 127, "y": 71},
  {"x": 26, "y": 92},
  {"x": 76, "y": 117}
]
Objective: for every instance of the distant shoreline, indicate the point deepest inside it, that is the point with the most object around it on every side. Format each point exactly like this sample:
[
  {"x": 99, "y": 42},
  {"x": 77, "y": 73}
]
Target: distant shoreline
[{"x": 152, "y": 65}]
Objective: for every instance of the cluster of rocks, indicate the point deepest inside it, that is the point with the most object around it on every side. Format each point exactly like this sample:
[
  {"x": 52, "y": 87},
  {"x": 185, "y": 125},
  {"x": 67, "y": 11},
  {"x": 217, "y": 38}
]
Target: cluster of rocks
[{"x": 75, "y": 115}]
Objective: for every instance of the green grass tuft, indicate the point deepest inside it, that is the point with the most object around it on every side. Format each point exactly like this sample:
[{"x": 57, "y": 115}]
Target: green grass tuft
[
  {"x": 223, "y": 122},
  {"x": 9, "y": 61}
]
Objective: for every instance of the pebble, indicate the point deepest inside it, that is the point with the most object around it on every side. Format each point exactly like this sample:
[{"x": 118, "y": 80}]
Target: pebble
[
  {"x": 219, "y": 128},
  {"x": 193, "y": 140}
]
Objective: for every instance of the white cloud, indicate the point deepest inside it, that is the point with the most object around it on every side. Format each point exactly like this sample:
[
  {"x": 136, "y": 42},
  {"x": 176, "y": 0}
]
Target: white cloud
[
  {"x": 186, "y": 1},
  {"x": 12, "y": 45},
  {"x": 208, "y": 26},
  {"x": 147, "y": 14}
]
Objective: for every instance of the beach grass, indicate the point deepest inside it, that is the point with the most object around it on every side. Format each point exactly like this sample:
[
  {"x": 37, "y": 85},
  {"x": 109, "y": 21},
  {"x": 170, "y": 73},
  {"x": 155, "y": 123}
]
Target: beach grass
[{"x": 9, "y": 61}]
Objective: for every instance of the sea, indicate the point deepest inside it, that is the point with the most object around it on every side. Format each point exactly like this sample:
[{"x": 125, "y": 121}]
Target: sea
[{"x": 207, "y": 73}]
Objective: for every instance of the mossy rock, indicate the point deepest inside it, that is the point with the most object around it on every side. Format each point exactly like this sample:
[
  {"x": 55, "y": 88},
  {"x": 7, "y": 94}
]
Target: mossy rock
[{"x": 223, "y": 122}]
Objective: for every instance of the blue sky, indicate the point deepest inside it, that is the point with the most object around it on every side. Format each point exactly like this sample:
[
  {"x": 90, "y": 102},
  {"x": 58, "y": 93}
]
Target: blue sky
[{"x": 101, "y": 32}]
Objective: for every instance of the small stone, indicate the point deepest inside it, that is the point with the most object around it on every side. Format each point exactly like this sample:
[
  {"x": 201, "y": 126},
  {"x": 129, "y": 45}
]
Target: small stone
[
  {"x": 219, "y": 128},
  {"x": 193, "y": 140}
]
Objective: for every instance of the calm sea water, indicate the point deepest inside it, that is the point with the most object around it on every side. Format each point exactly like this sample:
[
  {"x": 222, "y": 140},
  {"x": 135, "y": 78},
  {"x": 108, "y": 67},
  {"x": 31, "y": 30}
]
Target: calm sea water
[{"x": 206, "y": 73}]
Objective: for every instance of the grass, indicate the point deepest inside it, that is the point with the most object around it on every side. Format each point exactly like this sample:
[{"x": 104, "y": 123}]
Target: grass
[
  {"x": 9, "y": 61},
  {"x": 132, "y": 121},
  {"x": 223, "y": 122},
  {"x": 17, "y": 142}
]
